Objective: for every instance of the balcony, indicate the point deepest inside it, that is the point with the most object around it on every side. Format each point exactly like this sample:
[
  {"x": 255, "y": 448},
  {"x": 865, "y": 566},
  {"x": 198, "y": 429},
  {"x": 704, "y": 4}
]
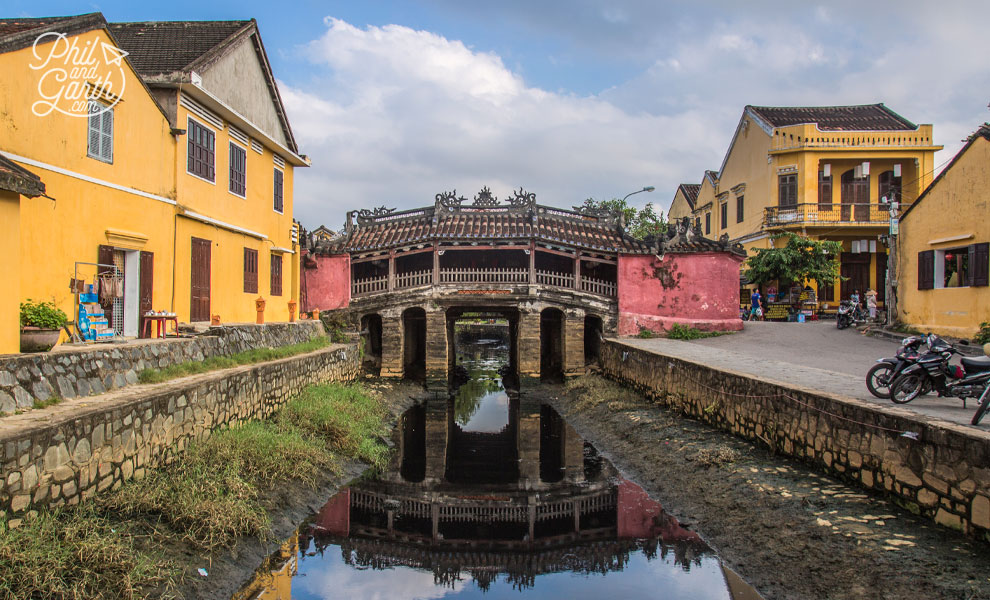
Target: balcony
[
  {"x": 803, "y": 215},
  {"x": 455, "y": 277}
]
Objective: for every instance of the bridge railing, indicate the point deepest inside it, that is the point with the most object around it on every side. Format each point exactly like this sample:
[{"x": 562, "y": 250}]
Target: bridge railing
[
  {"x": 372, "y": 285},
  {"x": 564, "y": 280},
  {"x": 484, "y": 275},
  {"x": 597, "y": 286},
  {"x": 413, "y": 279}
]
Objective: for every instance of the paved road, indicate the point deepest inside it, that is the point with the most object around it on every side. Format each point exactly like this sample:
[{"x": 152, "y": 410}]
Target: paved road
[{"x": 812, "y": 355}]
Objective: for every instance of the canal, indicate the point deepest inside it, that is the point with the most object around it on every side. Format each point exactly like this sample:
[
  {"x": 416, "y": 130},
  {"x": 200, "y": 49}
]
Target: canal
[{"x": 490, "y": 493}]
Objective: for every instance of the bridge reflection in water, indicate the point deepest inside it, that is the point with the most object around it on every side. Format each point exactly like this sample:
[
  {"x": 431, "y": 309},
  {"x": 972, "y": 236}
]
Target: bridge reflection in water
[{"x": 492, "y": 492}]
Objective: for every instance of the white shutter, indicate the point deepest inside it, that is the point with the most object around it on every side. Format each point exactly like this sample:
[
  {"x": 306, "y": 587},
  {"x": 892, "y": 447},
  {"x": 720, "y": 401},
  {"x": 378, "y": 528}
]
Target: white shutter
[
  {"x": 93, "y": 146},
  {"x": 106, "y": 148}
]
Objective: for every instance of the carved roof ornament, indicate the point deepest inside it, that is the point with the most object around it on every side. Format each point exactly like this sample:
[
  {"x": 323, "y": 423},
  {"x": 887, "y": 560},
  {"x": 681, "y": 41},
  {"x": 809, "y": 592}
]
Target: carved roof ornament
[
  {"x": 485, "y": 199},
  {"x": 522, "y": 199},
  {"x": 367, "y": 216},
  {"x": 449, "y": 200}
]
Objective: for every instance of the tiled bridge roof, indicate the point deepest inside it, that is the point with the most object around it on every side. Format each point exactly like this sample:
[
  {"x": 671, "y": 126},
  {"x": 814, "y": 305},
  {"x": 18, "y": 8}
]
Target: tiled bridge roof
[{"x": 484, "y": 221}]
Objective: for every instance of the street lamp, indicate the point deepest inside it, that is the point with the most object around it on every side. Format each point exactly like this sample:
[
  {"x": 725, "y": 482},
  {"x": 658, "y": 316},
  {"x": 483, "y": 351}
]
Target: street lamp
[{"x": 648, "y": 188}]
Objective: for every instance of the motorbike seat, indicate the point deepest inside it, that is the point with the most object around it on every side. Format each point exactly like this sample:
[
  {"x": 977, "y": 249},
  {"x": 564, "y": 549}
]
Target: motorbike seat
[{"x": 976, "y": 365}]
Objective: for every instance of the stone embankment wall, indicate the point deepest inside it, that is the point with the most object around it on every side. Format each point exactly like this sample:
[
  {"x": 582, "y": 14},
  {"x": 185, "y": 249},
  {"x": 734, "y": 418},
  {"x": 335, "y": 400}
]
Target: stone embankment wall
[
  {"x": 941, "y": 470},
  {"x": 92, "y": 370},
  {"x": 76, "y": 449}
]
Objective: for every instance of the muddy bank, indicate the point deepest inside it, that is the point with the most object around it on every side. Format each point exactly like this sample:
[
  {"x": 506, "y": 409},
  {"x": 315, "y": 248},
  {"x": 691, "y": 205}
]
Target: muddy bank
[
  {"x": 788, "y": 530},
  {"x": 290, "y": 505}
]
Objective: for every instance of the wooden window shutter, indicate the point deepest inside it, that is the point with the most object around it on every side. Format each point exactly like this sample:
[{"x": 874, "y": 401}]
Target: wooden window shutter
[
  {"x": 979, "y": 264},
  {"x": 147, "y": 276},
  {"x": 926, "y": 270},
  {"x": 250, "y": 271},
  {"x": 276, "y": 275}
]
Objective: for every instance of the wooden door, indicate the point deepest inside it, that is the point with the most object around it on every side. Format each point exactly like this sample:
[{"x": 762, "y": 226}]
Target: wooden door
[
  {"x": 856, "y": 268},
  {"x": 147, "y": 285},
  {"x": 105, "y": 257},
  {"x": 855, "y": 197},
  {"x": 199, "y": 303}
]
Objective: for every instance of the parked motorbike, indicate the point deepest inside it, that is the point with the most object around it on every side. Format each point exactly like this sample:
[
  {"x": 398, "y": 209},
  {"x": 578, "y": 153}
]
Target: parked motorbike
[
  {"x": 850, "y": 313},
  {"x": 970, "y": 380},
  {"x": 880, "y": 375}
]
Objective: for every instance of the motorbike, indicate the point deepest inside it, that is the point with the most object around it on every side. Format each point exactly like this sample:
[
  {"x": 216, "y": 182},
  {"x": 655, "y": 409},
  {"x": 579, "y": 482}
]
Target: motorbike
[
  {"x": 850, "y": 313},
  {"x": 970, "y": 379},
  {"x": 880, "y": 375}
]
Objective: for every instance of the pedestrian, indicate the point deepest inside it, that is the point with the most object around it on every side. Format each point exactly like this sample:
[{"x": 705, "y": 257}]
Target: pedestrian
[
  {"x": 854, "y": 298},
  {"x": 756, "y": 310},
  {"x": 871, "y": 302}
]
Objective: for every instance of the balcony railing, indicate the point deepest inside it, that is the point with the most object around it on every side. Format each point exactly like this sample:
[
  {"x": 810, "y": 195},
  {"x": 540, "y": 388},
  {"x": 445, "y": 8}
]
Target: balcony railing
[
  {"x": 412, "y": 279},
  {"x": 827, "y": 214},
  {"x": 484, "y": 275}
]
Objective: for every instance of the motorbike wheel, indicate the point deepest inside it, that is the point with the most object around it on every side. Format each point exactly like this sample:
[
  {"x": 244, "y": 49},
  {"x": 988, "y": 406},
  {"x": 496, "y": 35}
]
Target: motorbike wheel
[
  {"x": 981, "y": 409},
  {"x": 841, "y": 322},
  {"x": 906, "y": 388},
  {"x": 878, "y": 379}
]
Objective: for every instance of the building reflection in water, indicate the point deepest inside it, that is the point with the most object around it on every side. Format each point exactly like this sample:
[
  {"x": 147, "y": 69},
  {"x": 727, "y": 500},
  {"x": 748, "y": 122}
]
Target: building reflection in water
[{"x": 511, "y": 501}]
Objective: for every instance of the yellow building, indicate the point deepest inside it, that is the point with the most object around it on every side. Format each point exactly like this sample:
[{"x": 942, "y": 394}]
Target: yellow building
[
  {"x": 233, "y": 165},
  {"x": 112, "y": 145},
  {"x": 826, "y": 173},
  {"x": 15, "y": 182},
  {"x": 943, "y": 247},
  {"x": 683, "y": 203}
]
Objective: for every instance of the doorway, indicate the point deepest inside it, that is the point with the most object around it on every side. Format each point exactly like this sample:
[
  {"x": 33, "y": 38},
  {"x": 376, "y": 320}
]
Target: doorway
[{"x": 199, "y": 286}]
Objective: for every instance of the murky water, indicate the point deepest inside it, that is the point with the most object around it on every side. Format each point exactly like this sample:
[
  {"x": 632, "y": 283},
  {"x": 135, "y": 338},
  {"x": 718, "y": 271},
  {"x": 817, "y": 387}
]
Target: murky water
[{"x": 491, "y": 494}]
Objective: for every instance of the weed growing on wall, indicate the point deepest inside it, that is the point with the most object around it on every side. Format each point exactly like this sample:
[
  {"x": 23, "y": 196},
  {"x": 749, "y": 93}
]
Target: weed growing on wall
[
  {"x": 248, "y": 357},
  {"x": 218, "y": 490}
]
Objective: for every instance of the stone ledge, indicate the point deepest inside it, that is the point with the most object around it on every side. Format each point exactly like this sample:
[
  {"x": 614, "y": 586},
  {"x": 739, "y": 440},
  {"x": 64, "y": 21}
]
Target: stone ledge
[{"x": 943, "y": 474}]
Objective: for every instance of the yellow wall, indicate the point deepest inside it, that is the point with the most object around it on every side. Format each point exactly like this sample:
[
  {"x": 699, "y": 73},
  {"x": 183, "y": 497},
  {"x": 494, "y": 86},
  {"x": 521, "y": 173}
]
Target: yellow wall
[
  {"x": 10, "y": 250},
  {"x": 55, "y": 234},
  {"x": 956, "y": 207},
  {"x": 679, "y": 207},
  {"x": 135, "y": 203},
  {"x": 255, "y": 212}
]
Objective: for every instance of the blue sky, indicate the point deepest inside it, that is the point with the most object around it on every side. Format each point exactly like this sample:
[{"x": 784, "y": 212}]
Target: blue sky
[{"x": 397, "y": 101}]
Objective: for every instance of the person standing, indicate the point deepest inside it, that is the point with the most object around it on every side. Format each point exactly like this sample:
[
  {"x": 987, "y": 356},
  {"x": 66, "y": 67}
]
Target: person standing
[
  {"x": 871, "y": 302},
  {"x": 756, "y": 310}
]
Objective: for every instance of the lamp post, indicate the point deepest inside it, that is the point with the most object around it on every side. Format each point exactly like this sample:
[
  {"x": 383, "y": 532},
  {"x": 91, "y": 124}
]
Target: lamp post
[{"x": 648, "y": 188}]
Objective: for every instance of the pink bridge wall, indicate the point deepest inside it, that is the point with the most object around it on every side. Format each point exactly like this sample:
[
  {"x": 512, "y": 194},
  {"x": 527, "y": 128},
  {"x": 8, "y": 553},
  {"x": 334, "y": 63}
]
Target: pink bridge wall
[
  {"x": 328, "y": 286},
  {"x": 696, "y": 290}
]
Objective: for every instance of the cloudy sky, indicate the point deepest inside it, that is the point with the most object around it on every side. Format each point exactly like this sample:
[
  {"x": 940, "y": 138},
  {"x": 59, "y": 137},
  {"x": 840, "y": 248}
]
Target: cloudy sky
[{"x": 396, "y": 101}]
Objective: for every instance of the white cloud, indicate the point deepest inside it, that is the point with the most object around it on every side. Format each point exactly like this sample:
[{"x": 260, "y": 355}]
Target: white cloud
[{"x": 393, "y": 115}]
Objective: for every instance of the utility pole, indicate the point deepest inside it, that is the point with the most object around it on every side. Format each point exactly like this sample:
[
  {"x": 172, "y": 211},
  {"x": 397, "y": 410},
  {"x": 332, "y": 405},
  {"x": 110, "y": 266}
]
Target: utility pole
[{"x": 890, "y": 290}]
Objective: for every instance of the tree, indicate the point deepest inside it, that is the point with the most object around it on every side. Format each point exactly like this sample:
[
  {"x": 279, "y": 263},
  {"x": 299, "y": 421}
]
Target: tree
[
  {"x": 640, "y": 223},
  {"x": 800, "y": 260}
]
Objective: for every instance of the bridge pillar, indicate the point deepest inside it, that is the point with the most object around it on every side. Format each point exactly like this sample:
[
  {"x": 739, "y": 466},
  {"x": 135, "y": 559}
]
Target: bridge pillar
[
  {"x": 573, "y": 455},
  {"x": 573, "y": 343},
  {"x": 437, "y": 426},
  {"x": 528, "y": 442},
  {"x": 436, "y": 347},
  {"x": 392, "y": 334},
  {"x": 528, "y": 344}
]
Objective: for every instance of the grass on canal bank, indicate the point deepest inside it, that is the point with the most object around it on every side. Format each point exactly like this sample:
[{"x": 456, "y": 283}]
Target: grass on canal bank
[
  {"x": 216, "y": 491},
  {"x": 248, "y": 357}
]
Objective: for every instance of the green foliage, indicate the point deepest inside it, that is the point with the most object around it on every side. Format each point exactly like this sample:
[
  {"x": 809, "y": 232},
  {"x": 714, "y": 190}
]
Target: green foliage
[
  {"x": 42, "y": 314},
  {"x": 983, "y": 335},
  {"x": 800, "y": 260},
  {"x": 247, "y": 357},
  {"x": 683, "y": 332},
  {"x": 51, "y": 401},
  {"x": 640, "y": 223},
  {"x": 645, "y": 333},
  {"x": 336, "y": 328},
  {"x": 77, "y": 552},
  {"x": 345, "y": 415}
]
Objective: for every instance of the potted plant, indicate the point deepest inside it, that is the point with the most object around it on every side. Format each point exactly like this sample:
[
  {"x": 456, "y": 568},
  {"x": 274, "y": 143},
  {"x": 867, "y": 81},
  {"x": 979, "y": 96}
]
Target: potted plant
[{"x": 41, "y": 324}]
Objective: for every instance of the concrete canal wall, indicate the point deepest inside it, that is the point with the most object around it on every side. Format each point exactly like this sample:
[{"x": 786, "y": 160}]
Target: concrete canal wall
[
  {"x": 939, "y": 469},
  {"x": 71, "y": 451},
  {"x": 94, "y": 370}
]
